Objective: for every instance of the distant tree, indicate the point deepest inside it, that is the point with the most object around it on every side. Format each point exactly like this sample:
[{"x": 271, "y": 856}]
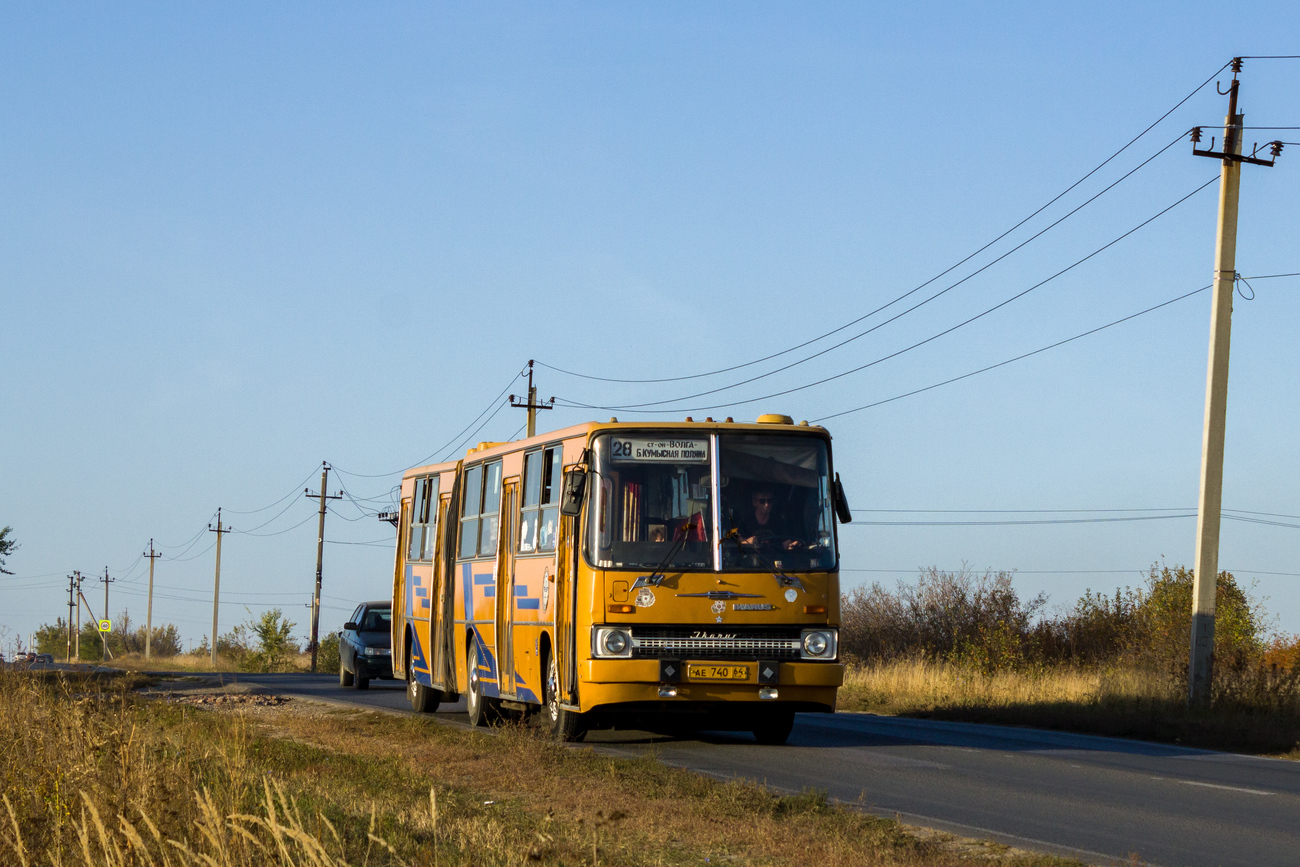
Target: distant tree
[
  {"x": 274, "y": 646},
  {"x": 52, "y": 639},
  {"x": 8, "y": 545}
]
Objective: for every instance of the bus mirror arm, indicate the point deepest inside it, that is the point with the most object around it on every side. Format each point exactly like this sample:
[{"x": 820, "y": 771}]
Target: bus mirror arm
[
  {"x": 575, "y": 487},
  {"x": 842, "y": 510}
]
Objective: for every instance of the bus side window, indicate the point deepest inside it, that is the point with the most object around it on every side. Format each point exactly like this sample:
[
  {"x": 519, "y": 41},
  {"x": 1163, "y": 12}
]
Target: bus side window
[
  {"x": 470, "y": 506},
  {"x": 552, "y": 485},
  {"x": 424, "y": 519},
  {"x": 539, "y": 514}
]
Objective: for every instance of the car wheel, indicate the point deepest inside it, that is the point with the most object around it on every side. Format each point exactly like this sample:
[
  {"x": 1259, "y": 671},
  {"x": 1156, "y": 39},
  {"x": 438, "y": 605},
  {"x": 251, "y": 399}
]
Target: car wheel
[
  {"x": 345, "y": 676},
  {"x": 476, "y": 704},
  {"x": 359, "y": 682},
  {"x": 562, "y": 724},
  {"x": 774, "y": 728}
]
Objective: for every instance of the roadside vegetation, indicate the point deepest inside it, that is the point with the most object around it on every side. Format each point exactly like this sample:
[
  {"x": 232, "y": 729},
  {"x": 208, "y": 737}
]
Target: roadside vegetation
[
  {"x": 966, "y": 646},
  {"x": 263, "y": 642},
  {"x": 100, "y": 775}
]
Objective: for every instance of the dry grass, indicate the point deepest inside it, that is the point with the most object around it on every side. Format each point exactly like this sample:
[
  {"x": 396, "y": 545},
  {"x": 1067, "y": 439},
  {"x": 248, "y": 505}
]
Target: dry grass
[
  {"x": 1121, "y": 701},
  {"x": 99, "y": 775},
  {"x": 180, "y": 662},
  {"x": 190, "y": 662}
]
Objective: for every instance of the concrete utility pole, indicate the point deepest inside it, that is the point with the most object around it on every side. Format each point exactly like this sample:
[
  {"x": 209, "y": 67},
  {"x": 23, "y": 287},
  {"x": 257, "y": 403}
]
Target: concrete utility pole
[
  {"x": 531, "y": 404},
  {"x": 320, "y": 557},
  {"x": 106, "y": 581},
  {"x": 108, "y": 654},
  {"x": 216, "y": 585},
  {"x": 79, "y": 578},
  {"x": 72, "y": 583},
  {"x": 148, "y": 618},
  {"x": 1200, "y": 672}
]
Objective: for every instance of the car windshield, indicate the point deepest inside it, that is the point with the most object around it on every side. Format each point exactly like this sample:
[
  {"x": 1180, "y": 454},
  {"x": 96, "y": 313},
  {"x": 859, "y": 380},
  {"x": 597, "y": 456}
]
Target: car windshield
[
  {"x": 653, "y": 502},
  {"x": 375, "y": 620}
]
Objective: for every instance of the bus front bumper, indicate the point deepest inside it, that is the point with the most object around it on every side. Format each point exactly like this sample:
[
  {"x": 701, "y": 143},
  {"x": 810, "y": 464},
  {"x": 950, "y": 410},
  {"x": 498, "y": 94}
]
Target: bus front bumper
[{"x": 808, "y": 686}]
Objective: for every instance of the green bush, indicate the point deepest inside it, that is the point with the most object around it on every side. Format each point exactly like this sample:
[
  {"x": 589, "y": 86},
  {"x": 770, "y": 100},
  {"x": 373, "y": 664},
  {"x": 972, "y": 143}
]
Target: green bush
[{"x": 327, "y": 658}]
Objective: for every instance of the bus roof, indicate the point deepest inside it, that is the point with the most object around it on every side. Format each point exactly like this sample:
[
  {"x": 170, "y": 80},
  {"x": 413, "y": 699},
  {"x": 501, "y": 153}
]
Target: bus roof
[{"x": 766, "y": 424}]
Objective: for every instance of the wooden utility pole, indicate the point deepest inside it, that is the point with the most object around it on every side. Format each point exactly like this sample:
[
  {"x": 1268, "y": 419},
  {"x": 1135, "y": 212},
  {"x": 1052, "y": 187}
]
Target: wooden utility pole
[
  {"x": 531, "y": 404},
  {"x": 148, "y": 618},
  {"x": 320, "y": 558},
  {"x": 216, "y": 585},
  {"x": 1200, "y": 671}
]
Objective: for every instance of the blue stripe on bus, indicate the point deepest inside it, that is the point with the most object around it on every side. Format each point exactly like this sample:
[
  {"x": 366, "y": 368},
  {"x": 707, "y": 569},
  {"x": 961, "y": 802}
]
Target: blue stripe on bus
[
  {"x": 483, "y": 578},
  {"x": 527, "y": 603}
]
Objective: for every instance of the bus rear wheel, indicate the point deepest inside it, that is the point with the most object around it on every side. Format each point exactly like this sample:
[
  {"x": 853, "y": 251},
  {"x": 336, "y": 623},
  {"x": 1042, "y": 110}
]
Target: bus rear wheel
[
  {"x": 774, "y": 728},
  {"x": 477, "y": 705},
  {"x": 423, "y": 699},
  {"x": 562, "y": 724}
]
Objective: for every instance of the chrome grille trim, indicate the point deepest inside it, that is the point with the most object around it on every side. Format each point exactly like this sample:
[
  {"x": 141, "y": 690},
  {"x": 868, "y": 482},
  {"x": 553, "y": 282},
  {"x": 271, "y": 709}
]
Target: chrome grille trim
[{"x": 677, "y": 643}]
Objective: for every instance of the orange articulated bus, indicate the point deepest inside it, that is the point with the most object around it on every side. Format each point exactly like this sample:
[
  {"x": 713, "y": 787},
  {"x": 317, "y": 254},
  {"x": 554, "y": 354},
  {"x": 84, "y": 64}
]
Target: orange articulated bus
[{"x": 649, "y": 575}]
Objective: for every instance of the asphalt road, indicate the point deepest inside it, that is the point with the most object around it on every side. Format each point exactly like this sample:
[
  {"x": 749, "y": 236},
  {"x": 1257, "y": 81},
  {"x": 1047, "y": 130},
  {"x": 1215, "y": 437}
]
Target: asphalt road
[{"x": 1097, "y": 799}]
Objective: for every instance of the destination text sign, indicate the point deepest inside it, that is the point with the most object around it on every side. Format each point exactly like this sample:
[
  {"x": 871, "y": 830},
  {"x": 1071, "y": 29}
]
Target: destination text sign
[{"x": 647, "y": 450}]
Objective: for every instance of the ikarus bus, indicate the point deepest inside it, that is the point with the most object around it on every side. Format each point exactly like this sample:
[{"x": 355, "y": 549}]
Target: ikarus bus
[{"x": 650, "y": 575}]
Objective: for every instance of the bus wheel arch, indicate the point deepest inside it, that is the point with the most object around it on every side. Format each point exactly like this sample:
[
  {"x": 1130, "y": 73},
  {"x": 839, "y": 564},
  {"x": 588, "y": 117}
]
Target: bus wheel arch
[{"x": 561, "y": 723}]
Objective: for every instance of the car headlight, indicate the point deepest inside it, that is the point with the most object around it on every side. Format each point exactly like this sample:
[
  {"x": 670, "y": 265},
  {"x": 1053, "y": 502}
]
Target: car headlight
[
  {"x": 611, "y": 642},
  {"x": 819, "y": 644},
  {"x": 376, "y": 651}
]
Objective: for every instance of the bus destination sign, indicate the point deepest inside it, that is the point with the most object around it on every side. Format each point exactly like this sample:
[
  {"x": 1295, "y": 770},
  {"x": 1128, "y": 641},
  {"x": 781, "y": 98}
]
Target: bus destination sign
[{"x": 647, "y": 450}]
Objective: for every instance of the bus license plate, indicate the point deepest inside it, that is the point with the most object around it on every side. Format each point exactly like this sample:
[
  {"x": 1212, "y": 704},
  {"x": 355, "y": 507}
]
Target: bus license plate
[{"x": 717, "y": 672}]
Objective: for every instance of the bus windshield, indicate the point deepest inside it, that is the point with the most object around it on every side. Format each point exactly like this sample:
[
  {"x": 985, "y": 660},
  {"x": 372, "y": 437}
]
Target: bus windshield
[
  {"x": 654, "y": 497},
  {"x": 776, "y": 504}
]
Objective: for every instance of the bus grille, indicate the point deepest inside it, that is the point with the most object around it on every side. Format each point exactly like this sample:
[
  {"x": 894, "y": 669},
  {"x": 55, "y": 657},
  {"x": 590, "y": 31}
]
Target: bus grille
[{"x": 675, "y": 642}]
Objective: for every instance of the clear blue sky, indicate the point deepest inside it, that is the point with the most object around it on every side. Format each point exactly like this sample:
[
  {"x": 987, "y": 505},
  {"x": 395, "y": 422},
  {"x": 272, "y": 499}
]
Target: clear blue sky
[{"x": 238, "y": 239}]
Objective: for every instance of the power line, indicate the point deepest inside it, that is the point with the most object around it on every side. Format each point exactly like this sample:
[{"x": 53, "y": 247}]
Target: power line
[
  {"x": 1021, "y": 357},
  {"x": 948, "y": 270},
  {"x": 914, "y": 307},
  {"x": 920, "y": 343}
]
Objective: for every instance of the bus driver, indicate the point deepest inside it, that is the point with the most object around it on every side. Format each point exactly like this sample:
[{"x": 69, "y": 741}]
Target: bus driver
[{"x": 764, "y": 528}]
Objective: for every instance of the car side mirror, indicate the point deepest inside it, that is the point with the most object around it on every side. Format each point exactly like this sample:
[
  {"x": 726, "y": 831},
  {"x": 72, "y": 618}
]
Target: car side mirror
[
  {"x": 575, "y": 487},
  {"x": 350, "y": 626},
  {"x": 842, "y": 510}
]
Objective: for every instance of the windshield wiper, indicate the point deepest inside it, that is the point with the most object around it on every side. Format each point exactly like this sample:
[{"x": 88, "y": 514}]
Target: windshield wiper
[
  {"x": 782, "y": 579},
  {"x": 655, "y": 578}
]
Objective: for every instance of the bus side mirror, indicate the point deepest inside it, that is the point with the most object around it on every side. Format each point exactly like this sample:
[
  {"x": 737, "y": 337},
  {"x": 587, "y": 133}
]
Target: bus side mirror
[
  {"x": 842, "y": 510},
  {"x": 575, "y": 486}
]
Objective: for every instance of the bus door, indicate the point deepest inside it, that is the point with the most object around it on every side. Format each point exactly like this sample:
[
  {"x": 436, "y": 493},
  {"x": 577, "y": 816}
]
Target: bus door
[
  {"x": 398, "y": 618},
  {"x": 449, "y": 533},
  {"x": 505, "y": 608},
  {"x": 565, "y": 607},
  {"x": 438, "y": 623}
]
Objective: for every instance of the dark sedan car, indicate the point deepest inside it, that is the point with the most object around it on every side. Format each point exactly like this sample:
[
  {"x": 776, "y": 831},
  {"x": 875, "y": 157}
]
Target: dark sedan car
[{"x": 364, "y": 645}]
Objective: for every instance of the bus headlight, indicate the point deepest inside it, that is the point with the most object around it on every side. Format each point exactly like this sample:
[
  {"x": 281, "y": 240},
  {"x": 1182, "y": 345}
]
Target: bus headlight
[
  {"x": 611, "y": 642},
  {"x": 819, "y": 644}
]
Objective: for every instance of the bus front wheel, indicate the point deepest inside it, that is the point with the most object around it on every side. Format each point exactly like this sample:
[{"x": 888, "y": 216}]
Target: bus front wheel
[{"x": 565, "y": 725}]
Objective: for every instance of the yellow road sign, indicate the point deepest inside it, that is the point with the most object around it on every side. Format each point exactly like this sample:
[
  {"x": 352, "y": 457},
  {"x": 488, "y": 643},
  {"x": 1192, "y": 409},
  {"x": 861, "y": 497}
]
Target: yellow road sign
[{"x": 105, "y": 626}]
